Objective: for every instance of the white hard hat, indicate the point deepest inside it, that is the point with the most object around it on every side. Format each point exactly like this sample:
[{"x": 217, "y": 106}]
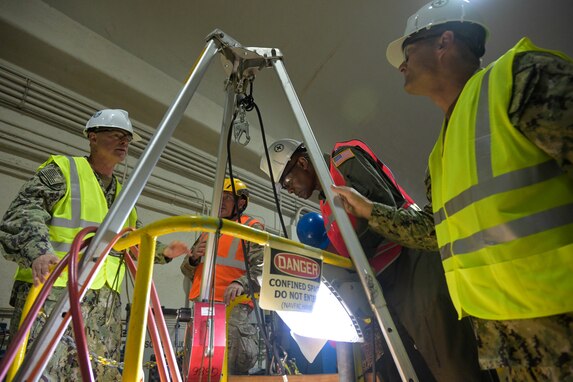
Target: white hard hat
[
  {"x": 114, "y": 118},
  {"x": 434, "y": 13},
  {"x": 280, "y": 153}
]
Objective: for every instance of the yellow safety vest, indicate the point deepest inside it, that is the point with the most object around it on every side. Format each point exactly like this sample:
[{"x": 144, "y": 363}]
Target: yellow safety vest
[
  {"x": 83, "y": 205},
  {"x": 503, "y": 208}
]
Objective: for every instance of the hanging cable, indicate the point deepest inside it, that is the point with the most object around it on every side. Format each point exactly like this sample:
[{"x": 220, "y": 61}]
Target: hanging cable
[{"x": 249, "y": 105}]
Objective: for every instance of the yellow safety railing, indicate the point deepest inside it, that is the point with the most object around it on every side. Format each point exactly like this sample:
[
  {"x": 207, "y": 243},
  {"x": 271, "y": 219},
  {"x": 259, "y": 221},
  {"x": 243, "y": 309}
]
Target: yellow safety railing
[
  {"x": 32, "y": 295},
  {"x": 146, "y": 238}
]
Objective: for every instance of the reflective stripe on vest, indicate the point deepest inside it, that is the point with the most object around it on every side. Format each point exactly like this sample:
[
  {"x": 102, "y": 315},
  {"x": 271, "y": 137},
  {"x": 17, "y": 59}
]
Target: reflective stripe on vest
[
  {"x": 67, "y": 219},
  {"x": 230, "y": 264},
  {"x": 230, "y": 259},
  {"x": 76, "y": 205},
  {"x": 503, "y": 209},
  {"x": 489, "y": 185}
]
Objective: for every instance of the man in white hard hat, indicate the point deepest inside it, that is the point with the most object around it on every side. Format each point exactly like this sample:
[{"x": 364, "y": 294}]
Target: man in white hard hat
[
  {"x": 65, "y": 195},
  {"x": 500, "y": 187},
  {"x": 439, "y": 346}
]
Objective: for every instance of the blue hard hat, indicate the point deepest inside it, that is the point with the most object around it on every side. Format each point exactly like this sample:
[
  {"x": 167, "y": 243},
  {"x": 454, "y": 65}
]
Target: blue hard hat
[{"x": 310, "y": 230}]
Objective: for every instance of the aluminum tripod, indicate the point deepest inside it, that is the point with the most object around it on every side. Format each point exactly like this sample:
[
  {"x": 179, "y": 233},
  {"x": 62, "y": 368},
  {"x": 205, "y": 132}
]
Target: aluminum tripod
[{"x": 242, "y": 64}]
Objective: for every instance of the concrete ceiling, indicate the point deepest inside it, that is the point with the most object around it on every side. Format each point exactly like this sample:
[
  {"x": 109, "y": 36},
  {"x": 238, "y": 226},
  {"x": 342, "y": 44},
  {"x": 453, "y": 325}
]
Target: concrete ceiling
[{"x": 334, "y": 53}]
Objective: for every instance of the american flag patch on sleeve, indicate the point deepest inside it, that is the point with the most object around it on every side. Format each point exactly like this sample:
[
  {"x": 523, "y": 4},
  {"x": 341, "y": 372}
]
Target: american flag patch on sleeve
[{"x": 342, "y": 157}]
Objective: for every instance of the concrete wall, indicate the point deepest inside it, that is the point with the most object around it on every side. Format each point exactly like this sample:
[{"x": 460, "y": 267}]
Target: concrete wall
[{"x": 54, "y": 73}]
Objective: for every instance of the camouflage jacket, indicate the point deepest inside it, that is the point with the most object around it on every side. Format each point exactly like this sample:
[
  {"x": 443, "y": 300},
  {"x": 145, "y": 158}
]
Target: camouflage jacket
[
  {"x": 540, "y": 109},
  {"x": 24, "y": 230},
  {"x": 254, "y": 254}
]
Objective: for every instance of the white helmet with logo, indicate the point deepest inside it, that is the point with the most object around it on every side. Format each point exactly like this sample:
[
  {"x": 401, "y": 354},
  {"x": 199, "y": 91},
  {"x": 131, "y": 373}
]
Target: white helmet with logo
[
  {"x": 111, "y": 118},
  {"x": 434, "y": 13},
  {"x": 280, "y": 153}
]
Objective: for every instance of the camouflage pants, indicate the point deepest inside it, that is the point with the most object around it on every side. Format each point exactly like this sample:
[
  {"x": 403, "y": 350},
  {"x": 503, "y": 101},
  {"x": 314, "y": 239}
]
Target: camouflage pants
[
  {"x": 539, "y": 349},
  {"x": 101, "y": 311},
  {"x": 242, "y": 341}
]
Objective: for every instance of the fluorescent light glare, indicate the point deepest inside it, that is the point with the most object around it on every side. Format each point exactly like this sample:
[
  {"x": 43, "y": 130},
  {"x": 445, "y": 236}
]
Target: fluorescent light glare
[{"x": 330, "y": 319}]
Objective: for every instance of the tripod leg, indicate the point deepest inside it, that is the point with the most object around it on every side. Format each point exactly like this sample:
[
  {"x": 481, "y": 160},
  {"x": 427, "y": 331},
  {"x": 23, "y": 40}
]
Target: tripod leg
[
  {"x": 119, "y": 211},
  {"x": 367, "y": 278}
]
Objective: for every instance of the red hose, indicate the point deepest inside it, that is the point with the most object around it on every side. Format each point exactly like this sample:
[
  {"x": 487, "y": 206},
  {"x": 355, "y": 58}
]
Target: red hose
[
  {"x": 76, "y": 312},
  {"x": 33, "y": 313}
]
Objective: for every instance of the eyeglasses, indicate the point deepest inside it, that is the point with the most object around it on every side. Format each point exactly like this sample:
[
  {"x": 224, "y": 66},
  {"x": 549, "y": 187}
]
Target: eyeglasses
[
  {"x": 412, "y": 40},
  {"x": 286, "y": 179},
  {"x": 116, "y": 134},
  {"x": 285, "y": 184}
]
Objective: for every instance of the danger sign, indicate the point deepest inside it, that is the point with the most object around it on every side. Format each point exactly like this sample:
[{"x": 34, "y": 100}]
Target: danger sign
[
  {"x": 297, "y": 265},
  {"x": 290, "y": 281}
]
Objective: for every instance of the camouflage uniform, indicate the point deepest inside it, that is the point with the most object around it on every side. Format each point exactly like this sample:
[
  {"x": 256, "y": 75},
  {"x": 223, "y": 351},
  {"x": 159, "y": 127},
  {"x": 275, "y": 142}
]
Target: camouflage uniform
[
  {"x": 242, "y": 341},
  {"x": 101, "y": 310},
  {"x": 24, "y": 235},
  {"x": 439, "y": 346},
  {"x": 541, "y": 109},
  {"x": 242, "y": 336}
]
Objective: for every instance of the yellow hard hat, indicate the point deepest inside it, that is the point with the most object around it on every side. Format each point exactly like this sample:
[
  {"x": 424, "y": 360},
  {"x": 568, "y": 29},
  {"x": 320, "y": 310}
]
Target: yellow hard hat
[{"x": 240, "y": 188}]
